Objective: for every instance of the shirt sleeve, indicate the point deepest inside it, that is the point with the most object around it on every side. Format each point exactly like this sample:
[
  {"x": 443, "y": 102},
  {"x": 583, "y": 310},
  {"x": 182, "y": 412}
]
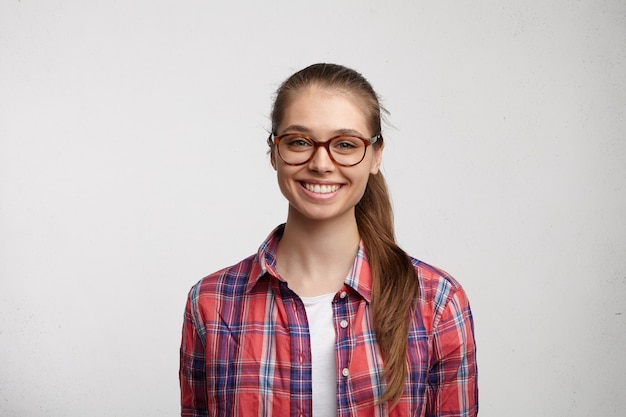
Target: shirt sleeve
[
  {"x": 192, "y": 373},
  {"x": 452, "y": 381}
]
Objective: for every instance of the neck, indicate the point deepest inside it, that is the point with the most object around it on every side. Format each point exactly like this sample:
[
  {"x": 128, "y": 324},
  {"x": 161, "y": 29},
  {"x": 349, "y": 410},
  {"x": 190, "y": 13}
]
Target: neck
[{"x": 314, "y": 257}]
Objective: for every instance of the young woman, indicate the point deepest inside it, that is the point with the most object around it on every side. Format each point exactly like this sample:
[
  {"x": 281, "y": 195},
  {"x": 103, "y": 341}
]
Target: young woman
[{"x": 330, "y": 317}]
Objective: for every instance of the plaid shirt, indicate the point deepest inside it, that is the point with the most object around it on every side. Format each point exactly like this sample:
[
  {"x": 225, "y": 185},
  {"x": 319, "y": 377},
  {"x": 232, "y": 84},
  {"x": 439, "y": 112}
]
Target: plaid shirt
[{"x": 246, "y": 349}]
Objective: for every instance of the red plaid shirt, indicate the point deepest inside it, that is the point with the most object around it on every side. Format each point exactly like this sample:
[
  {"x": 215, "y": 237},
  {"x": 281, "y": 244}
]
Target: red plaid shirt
[{"x": 246, "y": 349}]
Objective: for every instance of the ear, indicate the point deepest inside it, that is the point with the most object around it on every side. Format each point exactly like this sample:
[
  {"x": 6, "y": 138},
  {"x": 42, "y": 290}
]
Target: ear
[
  {"x": 377, "y": 158},
  {"x": 273, "y": 157}
]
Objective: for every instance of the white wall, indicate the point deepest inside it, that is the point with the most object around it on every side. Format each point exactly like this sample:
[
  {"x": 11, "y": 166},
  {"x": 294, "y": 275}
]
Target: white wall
[{"x": 132, "y": 163}]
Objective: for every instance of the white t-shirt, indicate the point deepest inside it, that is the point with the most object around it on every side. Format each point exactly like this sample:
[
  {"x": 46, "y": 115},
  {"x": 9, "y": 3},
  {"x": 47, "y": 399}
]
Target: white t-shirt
[{"x": 319, "y": 312}]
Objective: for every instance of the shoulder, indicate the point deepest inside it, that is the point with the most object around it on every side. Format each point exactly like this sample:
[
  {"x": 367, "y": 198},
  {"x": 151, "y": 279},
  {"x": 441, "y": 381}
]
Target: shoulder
[
  {"x": 225, "y": 288},
  {"x": 220, "y": 290},
  {"x": 211, "y": 298},
  {"x": 438, "y": 291},
  {"x": 434, "y": 280},
  {"x": 217, "y": 296},
  {"x": 225, "y": 283}
]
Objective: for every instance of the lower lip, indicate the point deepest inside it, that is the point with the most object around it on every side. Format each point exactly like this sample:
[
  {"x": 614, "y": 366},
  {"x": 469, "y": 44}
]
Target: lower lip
[{"x": 319, "y": 196}]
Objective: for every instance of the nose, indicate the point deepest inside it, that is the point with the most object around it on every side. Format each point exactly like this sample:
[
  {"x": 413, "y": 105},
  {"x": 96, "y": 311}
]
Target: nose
[{"x": 321, "y": 161}]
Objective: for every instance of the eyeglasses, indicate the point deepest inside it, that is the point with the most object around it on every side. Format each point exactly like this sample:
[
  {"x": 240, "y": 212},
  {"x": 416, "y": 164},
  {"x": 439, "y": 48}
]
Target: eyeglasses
[{"x": 344, "y": 150}]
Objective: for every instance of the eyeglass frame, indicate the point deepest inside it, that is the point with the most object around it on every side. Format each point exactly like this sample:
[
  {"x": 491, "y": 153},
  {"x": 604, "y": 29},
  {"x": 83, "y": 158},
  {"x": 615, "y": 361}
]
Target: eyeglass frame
[{"x": 273, "y": 139}]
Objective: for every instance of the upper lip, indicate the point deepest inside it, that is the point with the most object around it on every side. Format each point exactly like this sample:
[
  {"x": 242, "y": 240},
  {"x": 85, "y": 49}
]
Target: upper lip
[{"x": 315, "y": 182}]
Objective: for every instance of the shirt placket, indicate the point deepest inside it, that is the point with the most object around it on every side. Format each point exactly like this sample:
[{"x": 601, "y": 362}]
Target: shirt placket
[{"x": 344, "y": 346}]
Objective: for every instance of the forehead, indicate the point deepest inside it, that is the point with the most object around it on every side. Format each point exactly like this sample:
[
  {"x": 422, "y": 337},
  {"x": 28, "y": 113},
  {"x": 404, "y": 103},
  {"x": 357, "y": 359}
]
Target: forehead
[{"x": 326, "y": 107}]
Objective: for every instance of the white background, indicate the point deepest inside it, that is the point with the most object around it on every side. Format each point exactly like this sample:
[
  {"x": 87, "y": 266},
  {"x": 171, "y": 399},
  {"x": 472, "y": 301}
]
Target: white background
[{"x": 133, "y": 163}]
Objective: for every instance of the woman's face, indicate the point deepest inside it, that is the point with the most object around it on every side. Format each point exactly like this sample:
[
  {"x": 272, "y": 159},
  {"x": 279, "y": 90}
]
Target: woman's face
[{"x": 320, "y": 189}]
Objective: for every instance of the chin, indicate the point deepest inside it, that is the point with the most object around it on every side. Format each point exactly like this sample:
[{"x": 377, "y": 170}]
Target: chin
[{"x": 321, "y": 214}]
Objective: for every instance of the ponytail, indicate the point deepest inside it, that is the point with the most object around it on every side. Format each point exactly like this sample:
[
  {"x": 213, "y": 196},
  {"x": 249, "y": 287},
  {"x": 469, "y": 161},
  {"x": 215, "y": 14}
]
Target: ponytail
[{"x": 394, "y": 283}]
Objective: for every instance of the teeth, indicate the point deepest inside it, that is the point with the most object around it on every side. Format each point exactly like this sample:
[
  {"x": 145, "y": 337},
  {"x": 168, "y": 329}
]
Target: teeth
[{"x": 321, "y": 189}]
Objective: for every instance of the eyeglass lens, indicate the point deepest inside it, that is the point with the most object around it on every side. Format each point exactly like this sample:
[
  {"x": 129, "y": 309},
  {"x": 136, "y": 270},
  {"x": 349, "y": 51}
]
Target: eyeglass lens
[{"x": 344, "y": 150}]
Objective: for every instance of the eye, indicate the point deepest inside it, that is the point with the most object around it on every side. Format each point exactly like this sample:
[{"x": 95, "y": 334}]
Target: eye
[
  {"x": 347, "y": 144},
  {"x": 297, "y": 142}
]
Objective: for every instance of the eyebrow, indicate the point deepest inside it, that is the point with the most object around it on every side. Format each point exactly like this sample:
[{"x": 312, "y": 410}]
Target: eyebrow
[{"x": 338, "y": 132}]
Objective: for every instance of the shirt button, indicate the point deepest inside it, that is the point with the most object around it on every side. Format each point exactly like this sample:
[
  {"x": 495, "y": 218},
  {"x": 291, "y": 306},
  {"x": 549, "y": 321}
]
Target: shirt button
[
  {"x": 343, "y": 294},
  {"x": 345, "y": 372},
  {"x": 343, "y": 323}
]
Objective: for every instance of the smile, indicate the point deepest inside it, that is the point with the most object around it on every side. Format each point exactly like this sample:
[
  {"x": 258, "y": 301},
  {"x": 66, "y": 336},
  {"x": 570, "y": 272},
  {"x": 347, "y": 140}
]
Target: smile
[{"x": 321, "y": 188}]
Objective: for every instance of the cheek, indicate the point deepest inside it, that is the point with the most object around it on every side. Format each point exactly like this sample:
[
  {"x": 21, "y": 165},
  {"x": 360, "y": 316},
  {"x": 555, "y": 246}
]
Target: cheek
[
  {"x": 359, "y": 180},
  {"x": 283, "y": 176}
]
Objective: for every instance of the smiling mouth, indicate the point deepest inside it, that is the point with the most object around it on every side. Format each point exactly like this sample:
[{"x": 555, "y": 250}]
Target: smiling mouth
[{"x": 321, "y": 188}]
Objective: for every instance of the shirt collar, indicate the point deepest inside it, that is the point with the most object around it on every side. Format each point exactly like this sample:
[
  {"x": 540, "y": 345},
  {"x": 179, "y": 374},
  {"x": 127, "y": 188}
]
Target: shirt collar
[
  {"x": 265, "y": 259},
  {"x": 359, "y": 278}
]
